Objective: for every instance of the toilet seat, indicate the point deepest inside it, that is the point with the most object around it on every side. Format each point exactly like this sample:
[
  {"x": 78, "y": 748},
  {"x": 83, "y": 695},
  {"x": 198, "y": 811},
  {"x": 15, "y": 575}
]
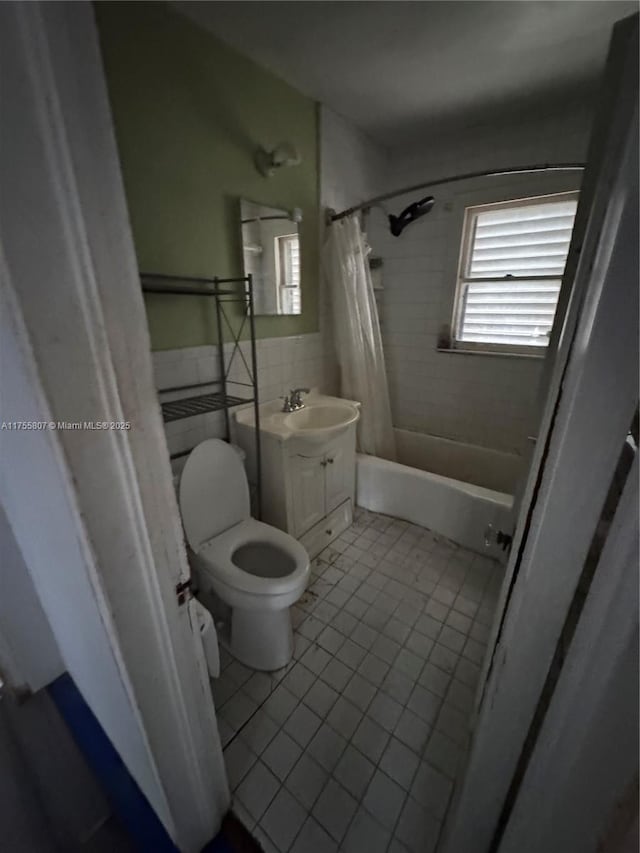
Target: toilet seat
[
  {"x": 218, "y": 553},
  {"x": 240, "y": 588}
]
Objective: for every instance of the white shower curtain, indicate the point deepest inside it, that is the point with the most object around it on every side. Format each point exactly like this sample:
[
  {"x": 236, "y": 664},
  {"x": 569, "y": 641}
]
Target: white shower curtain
[{"x": 357, "y": 335}]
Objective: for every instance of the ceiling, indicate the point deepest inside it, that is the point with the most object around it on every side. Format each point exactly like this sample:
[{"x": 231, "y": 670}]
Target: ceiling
[{"x": 399, "y": 69}]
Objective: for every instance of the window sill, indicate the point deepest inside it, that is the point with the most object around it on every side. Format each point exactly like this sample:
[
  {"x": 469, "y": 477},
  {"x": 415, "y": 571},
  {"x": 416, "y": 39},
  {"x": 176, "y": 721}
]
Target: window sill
[{"x": 494, "y": 353}]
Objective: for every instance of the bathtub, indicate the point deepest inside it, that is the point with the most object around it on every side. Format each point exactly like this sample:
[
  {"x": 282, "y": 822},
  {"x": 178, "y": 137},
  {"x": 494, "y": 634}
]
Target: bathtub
[
  {"x": 469, "y": 463},
  {"x": 455, "y": 508}
]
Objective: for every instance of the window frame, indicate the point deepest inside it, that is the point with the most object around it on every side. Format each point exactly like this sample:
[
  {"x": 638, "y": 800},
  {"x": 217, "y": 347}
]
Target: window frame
[
  {"x": 463, "y": 279},
  {"x": 282, "y": 265}
]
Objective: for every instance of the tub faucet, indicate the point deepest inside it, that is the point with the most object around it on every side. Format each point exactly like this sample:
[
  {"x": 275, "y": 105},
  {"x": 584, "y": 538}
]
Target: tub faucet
[{"x": 294, "y": 401}]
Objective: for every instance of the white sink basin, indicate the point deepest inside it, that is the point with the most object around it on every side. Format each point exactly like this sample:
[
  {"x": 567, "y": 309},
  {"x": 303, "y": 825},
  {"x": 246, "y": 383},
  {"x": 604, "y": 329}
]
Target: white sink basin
[
  {"x": 320, "y": 421},
  {"x": 322, "y": 418}
]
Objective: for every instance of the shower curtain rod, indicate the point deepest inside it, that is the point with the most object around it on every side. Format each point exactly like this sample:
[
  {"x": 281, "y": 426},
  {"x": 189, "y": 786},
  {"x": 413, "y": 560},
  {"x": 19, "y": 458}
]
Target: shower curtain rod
[{"x": 518, "y": 170}]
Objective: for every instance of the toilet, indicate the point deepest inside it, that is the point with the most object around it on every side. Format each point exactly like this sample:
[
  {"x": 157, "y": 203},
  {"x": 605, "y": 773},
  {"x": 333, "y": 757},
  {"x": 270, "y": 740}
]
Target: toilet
[{"x": 254, "y": 568}]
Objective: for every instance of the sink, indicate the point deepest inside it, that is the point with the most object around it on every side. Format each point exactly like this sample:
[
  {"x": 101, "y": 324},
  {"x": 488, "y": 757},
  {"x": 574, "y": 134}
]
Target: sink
[
  {"x": 317, "y": 422},
  {"x": 321, "y": 418}
]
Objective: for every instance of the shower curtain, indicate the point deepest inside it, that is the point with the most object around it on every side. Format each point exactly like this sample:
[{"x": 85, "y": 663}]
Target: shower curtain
[{"x": 357, "y": 335}]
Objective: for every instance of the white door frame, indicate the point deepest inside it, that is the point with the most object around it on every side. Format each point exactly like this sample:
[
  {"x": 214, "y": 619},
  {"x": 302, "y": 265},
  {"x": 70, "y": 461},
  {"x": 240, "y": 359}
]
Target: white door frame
[
  {"x": 94, "y": 512},
  {"x": 587, "y": 754},
  {"x": 592, "y": 398}
]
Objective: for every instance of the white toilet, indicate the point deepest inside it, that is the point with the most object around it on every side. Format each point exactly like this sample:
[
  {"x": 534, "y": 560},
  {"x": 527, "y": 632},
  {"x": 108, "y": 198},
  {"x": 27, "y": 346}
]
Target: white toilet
[{"x": 256, "y": 569}]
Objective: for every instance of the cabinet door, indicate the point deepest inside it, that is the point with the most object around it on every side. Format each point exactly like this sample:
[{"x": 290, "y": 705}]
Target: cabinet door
[
  {"x": 340, "y": 472},
  {"x": 308, "y": 491}
]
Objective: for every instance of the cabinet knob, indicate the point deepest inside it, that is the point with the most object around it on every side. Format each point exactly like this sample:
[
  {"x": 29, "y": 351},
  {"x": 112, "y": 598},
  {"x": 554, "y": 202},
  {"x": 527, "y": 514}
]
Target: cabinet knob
[
  {"x": 324, "y": 463},
  {"x": 330, "y": 461},
  {"x": 329, "y": 532}
]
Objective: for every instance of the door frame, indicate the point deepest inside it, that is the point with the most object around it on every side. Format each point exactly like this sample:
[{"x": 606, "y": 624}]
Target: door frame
[
  {"x": 94, "y": 513},
  {"x": 591, "y": 728},
  {"x": 586, "y": 420}
]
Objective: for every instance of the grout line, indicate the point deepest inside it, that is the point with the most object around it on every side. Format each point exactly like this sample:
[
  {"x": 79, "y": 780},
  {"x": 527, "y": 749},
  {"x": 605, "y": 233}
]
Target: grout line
[{"x": 319, "y": 569}]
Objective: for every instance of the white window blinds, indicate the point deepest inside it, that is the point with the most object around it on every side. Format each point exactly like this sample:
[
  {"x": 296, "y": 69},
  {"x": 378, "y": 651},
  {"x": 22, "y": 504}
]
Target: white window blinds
[
  {"x": 513, "y": 259},
  {"x": 290, "y": 297}
]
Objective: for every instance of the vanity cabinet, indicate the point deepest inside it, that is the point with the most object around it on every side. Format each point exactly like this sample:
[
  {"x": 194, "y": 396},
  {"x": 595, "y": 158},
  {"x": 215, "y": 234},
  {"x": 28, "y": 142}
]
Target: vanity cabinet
[
  {"x": 319, "y": 483},
  {"x": 308, "y": 487},
  {"x": 308, "y": 490}
]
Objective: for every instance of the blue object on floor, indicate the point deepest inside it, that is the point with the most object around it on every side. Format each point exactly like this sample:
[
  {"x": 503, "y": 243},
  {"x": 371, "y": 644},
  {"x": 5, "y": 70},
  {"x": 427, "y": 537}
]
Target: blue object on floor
[{"x": 129, "y": 804}]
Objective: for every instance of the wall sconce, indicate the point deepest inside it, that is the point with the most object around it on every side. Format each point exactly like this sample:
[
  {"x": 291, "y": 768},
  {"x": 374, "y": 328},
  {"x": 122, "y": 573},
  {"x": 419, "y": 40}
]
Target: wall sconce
[{"x": 268, "y": 162}]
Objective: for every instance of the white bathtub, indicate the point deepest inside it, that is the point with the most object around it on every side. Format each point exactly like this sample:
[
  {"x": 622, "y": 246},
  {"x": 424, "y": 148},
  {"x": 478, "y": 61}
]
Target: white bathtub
[
  {"x": 470, "y": 463},
  {"x": 460, "y": 511}
]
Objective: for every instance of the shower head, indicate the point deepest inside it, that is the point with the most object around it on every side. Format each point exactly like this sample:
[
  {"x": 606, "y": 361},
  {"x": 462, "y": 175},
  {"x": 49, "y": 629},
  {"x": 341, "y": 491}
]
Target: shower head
[{"x": 414, "y": 211}]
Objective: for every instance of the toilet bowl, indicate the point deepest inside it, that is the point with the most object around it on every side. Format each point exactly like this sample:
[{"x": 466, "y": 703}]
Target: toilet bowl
[{"x": 257, "y": 570}]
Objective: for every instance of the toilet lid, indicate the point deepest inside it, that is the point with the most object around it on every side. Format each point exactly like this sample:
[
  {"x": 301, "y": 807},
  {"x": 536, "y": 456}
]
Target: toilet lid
[{"x": 214, "y": 494}]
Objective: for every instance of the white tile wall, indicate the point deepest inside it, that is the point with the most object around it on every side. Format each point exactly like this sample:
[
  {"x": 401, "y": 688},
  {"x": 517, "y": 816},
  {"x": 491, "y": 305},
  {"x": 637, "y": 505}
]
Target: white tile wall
[
  {"x": 491, "y": 401},
  {"x": 478, "y": 399},
  {"x": 283, "y": 363}
]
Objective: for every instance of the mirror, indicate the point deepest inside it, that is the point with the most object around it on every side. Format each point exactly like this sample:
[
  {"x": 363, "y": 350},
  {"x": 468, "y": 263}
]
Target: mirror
[{"x": 271, "y": 253}]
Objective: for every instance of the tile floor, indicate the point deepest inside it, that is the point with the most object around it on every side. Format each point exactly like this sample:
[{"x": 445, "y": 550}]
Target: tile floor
[{"x": 355, "y": 745}]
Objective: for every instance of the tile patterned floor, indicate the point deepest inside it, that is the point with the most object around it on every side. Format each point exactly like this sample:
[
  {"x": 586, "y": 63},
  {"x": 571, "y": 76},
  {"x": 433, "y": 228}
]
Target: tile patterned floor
[{"x": 355, "y": 745}]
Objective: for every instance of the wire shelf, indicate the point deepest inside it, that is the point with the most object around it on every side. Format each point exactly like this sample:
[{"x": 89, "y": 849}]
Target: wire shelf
[
  {"x": 223, "y": 291},
  {"x": 200, "y": 405}
]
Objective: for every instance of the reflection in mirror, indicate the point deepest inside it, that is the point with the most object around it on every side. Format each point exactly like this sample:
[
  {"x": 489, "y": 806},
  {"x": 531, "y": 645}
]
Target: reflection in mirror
[{"x": 271, "y": 253}]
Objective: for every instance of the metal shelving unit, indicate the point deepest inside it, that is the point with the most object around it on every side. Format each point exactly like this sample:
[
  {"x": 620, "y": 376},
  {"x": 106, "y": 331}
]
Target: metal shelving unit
[{"x": 217, "y": 397}]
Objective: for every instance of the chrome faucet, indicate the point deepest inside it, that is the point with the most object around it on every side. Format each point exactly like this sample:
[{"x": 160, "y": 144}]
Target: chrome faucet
[{"x": 294, "y": 401}]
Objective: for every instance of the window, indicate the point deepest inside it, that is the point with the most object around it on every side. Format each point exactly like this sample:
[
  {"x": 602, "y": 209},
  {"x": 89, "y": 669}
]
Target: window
[
  {"x": 511, "y": 265},
  {"x": 288, "y": 254}
]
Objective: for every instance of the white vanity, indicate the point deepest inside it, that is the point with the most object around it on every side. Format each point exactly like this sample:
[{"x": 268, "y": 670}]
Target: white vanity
[{"x": 308, "y": 466}]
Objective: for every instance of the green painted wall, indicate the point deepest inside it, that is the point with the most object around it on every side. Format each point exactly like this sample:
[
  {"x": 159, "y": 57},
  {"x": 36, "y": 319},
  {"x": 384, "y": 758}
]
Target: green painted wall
[{"x": 189, "y": 113}]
